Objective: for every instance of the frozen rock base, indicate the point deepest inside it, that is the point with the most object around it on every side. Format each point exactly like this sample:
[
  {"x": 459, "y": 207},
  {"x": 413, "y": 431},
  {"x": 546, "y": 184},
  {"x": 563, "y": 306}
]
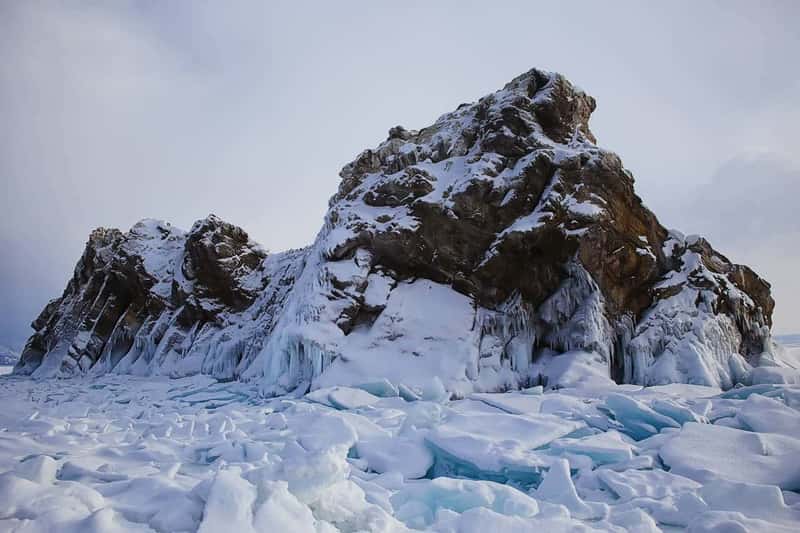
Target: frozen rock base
[{"x": 122, "y": 453}]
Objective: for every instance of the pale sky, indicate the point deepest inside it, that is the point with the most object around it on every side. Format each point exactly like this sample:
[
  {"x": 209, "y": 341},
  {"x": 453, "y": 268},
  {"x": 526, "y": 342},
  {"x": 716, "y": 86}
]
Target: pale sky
[{"x": 114, "y": 111}]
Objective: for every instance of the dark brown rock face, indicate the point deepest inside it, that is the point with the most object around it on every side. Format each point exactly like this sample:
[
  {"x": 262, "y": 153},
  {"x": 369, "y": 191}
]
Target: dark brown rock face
[
  {"x": 508, "y": 203},
  {"x": 146, "y": 295},
  {"x": 221, "y": 257}
]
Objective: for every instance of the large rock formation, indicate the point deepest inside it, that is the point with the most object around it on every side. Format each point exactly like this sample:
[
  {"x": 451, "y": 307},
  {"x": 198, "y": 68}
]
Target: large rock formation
[{"x": 482, "y": 249}]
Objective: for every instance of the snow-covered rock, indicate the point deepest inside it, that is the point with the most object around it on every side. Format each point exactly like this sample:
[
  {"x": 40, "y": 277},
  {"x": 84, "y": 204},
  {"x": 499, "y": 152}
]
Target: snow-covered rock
[{"x": 499, "y": 248}]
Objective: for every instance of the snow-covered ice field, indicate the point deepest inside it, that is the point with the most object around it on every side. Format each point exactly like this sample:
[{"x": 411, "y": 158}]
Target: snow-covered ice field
[{"x": 119, "y": 453}]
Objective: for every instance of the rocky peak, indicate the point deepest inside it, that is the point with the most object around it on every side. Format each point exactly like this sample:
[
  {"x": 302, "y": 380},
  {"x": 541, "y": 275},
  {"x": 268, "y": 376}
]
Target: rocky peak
[
  {"x": 517, "y": 175},
  {"x": 510, "y": 122},
  {"x": 477, "y": 249},
  {"x": 558, "y": 106},
  {"x": 98, "y": 250}
]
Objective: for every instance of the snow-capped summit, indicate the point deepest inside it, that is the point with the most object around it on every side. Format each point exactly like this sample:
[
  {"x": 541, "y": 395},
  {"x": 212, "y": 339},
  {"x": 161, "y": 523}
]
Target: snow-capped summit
[{"x": 498, "y": 248}]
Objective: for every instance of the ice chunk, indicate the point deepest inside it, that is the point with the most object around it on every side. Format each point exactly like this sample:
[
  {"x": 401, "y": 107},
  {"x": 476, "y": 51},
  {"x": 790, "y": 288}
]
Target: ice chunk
[
  {"x": 73, "y": 472},
  {"x": 423, "y": 415},
  {"x": 434, "y": 390},
  {"x": 383, "y": 388},
  {"x": 766, "y": 415},
  {"x": 756, "y": 501},
  {"x": 396, "y": 454},
  {"x": 557, "y": 487},
  {"x": 282, "y": 511},
  {"x": 470, "y": 406},
  {"x": 676, "y": 411},
  {"x": 39, "y": 469},
  {"x": 774, "y": 374},
  {"x": 742, "y": 393},
  {"x": 634, "y": 521},
  {"x": 565, "y": 406},
  {"x": 159, "y": 498},
  {"x": 680, "y": 391},
  {"x": 656, "y": 484},
  {"x": 347, "y": 398},
  {"x": 22, "y": 498},
  {"x": 321, "y": 396},
  {"x": 481, "y": 520},
  {"x": 407, "y": 393},
  {"x": 575, "y": 368},
  {"x": 322, "y": 432},
  {"x": 602, "y": 448},
  {"x": 732, "y": 522},
  {"x": 104, "y": 520},
  {"x": 501, "y": 446},
  {"x": 705, "y": 452},
  {"x": 638, "y": 420},
  {"x": 230, "y": 504},
  {"x": 422, "y": 499},
  {"x": 345, "y": 506},
  {"x": 511, "y": 402},
  {"x": 639, "y": 462},
  {"x": 311, "y": 474}
]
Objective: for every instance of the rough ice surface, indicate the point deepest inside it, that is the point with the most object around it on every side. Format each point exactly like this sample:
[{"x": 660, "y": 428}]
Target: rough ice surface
[
  {"x": 705, "y": 452},
  {"x": 122, "y": 453}
]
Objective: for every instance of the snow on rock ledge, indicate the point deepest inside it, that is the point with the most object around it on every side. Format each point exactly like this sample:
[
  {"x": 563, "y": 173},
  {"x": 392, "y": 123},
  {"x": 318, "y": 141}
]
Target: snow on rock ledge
[{"x": 468, "y": 255}]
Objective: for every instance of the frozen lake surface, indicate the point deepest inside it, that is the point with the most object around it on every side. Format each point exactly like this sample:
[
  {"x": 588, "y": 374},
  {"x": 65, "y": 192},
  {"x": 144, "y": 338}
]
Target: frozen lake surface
[{"x": 120, "y": 453}]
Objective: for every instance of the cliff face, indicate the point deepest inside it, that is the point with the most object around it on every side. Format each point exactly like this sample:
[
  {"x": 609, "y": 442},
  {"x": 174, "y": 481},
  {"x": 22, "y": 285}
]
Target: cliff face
[
  {"x": 497, "y": 243},
  {"x": 159, "y": 300}
]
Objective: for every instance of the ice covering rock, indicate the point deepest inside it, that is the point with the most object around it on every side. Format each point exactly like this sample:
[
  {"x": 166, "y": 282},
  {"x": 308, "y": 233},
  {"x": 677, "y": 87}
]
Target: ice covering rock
[{"x": 498, "y": 248}]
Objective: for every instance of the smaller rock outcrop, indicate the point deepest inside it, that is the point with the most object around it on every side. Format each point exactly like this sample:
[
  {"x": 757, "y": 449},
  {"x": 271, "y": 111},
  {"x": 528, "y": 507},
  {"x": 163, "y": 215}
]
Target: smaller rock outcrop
[{"x": 139, "y": 300}]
